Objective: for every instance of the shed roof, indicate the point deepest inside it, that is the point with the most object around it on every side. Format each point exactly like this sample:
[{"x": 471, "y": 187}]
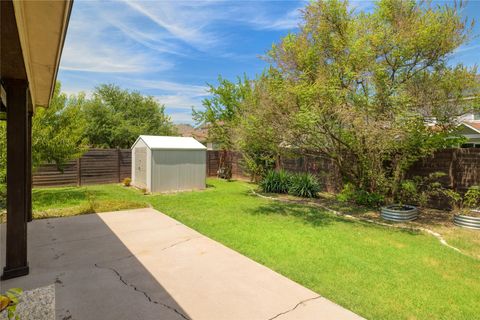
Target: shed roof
[{"x": 171, "y": 143}]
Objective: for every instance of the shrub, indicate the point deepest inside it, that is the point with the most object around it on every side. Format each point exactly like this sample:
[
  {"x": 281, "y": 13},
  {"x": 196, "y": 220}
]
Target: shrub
[
  {"x": 304, "y": 185},
  {"x": 350, "y": 193},
  {"x": 472, "y": 197},
  {"x": 127, "y": 182},
  {"x": 470, "y": 200},
  {"x": 408, "y": 192},
  {"x": 276, "y": 181},
  {"x": 369, "y": 199}
]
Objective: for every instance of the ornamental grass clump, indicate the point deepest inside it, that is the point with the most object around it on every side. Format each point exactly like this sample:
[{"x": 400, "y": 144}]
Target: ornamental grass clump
[
  {"x": 276, "y": 181},
  {"x": 304, "y": 185}
]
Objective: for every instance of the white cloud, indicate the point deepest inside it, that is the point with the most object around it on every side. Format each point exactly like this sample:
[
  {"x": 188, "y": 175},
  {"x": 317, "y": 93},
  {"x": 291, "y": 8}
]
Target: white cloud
[
  {"x": 108, "y": 59},
  {"x": 179, "y": 117},
  {"x": 95, "y": 45},
  {"x": 467, "y": 47},
  {"x": 175, "y": 102},
  {"x": 131, "y": 43},
  {"x": 175, "y": 87},
  {"x": 288, "y": 21},
  {"x": 141, "y": 36},
  {"x": 152, "y": 40},
  {"x": 187, "y": 21}
]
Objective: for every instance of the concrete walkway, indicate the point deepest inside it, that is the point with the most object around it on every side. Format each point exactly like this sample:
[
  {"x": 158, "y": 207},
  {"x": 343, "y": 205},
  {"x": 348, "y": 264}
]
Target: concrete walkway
[{"x": 141, "y": 264}]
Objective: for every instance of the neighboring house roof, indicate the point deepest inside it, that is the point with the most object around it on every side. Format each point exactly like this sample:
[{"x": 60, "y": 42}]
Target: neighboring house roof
[
  {"x": 170, "y": 143},
  {"x": 472, "y": 125},
  {"x": 187, "y": 130}
]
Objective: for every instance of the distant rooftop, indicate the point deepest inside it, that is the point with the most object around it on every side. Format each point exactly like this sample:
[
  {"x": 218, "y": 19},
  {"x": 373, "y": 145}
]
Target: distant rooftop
[
  {"x": 187, "y": 130},
  {"x": 171, "y": 143}
]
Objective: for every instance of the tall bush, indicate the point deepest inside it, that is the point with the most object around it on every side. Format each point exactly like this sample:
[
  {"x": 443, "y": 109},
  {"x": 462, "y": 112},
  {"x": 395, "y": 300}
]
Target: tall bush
[
  {"x": 276, "y": 181},
  {"x": 304, "y": 185}
]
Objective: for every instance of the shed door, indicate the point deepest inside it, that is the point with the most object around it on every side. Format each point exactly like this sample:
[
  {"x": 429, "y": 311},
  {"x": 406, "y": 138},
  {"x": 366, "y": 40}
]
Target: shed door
[{"x": 141, "y": 166}]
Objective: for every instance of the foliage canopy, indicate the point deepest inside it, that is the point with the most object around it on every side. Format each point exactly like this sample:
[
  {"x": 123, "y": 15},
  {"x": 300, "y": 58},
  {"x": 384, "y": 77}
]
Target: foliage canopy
[
  {"x": 116, "y": 117},
  {"x": 374, "y": 92}
]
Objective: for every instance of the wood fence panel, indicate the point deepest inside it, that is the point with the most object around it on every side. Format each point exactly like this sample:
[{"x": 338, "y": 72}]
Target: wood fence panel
[
  {"x": 213, "y": 162},
  {"x": 96, "y": 166},
  {"x": 49, "y": 175},
  {"x": 461, "y": 166},
  {"x": 99, "y": 166},
  {"x": 125, "y": 162},
  {"x": 325, "y": 170}
]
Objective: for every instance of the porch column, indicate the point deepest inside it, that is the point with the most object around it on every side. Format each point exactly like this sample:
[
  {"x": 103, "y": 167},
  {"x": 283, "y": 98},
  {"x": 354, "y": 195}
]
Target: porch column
[
  {"x": 29, "y": 163},
  {"x": 17, "y": 160}
]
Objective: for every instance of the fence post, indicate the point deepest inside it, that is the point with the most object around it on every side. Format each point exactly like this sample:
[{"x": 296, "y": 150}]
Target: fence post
[
  {"x": 453, "y": 169},
  {"x": 118, "y": 165},
  {"x": 79, "y": 174}
]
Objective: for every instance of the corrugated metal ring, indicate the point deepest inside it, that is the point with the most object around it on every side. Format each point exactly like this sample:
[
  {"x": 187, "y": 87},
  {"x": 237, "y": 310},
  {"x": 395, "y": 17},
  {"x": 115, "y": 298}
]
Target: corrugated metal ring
[
  {"x": 392, "y": 214},
  {"x": 466, "y": 221}
]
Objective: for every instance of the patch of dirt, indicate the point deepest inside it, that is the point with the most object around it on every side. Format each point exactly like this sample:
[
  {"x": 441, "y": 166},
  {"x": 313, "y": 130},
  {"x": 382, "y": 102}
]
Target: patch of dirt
[
  {"x": 471, "y": 213},
  {"x": 428, "y": 218}
]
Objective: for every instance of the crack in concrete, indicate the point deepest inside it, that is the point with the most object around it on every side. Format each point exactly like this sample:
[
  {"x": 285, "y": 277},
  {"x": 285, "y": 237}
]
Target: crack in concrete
[
  {"x": 295, "y": 307},
  {"x": 69, "y": 241},
  {"x": 120, "y": 258},
  {"x": 179, "y": 242},
  {"x": 165, "y": 248},
  {"x": 143, "y": 292}
]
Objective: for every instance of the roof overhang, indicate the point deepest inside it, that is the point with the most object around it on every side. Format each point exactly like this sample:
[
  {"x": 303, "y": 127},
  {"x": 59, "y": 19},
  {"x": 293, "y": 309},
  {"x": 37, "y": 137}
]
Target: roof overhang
[{"x": 42, "y": 27}]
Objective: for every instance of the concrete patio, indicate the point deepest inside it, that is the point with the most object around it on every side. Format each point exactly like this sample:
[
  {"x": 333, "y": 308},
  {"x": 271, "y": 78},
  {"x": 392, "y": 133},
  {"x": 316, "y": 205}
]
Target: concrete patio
[{"x": 141, "y": 264}]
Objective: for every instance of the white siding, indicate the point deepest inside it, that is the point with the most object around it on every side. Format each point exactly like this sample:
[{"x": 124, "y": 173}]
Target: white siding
[{"x": 174, "y": 170}]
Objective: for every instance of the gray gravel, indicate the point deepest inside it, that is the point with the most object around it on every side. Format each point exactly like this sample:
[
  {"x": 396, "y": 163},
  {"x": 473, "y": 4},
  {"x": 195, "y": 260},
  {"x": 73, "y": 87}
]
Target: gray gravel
[{"x": 36, "y": 304}]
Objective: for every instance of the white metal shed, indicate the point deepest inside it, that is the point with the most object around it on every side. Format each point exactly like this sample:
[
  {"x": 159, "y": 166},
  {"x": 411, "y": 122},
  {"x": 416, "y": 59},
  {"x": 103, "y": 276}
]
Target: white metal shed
[{"x": 162, "y": 164}]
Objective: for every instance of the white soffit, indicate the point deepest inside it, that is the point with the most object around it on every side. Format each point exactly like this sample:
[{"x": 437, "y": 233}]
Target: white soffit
[{"x": 42, "y": 27}]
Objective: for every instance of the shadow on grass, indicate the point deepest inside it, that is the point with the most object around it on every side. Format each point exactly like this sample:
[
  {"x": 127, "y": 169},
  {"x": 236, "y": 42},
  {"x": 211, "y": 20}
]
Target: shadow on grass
[
  {"x": 318, "y": 217},
  {"x": 87, "y": 208},
  {"x": 308, "y": 214},
  {"x": 50, "y": 198}
]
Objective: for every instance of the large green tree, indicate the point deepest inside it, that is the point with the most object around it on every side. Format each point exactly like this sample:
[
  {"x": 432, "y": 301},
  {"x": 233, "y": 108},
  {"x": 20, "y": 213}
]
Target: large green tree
[
  {"x": 57, "y": 134},
  {"x": 375, "y": 91},
  {"x": 57, "y": 131},
  {"x": 221, "y": 115},
  {"x": 116, "y": 117}
]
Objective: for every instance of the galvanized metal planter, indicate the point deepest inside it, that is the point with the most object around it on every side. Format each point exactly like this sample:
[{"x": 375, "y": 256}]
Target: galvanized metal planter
[
  {"x": 399, "y": 213},
  {"x": 466, "y": 221}
]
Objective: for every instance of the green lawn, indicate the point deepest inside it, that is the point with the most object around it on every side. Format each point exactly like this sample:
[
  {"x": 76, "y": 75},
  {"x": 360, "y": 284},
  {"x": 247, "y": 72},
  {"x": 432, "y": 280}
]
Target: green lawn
[{"x": 377, "y": 272}]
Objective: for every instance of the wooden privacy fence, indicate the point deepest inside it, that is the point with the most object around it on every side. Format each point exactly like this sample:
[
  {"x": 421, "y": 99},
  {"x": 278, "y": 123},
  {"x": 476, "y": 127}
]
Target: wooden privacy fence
[
  {"x": 462, "y": 168},
  {"x": 324, "y": 168},
  {"x": 234, "y": 157},
  {"x": 94, "y": 167}
]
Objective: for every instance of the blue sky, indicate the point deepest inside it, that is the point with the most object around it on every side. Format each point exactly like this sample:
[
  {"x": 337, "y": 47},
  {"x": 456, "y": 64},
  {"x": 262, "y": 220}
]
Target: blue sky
[{"x": 171, "y": 49}]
